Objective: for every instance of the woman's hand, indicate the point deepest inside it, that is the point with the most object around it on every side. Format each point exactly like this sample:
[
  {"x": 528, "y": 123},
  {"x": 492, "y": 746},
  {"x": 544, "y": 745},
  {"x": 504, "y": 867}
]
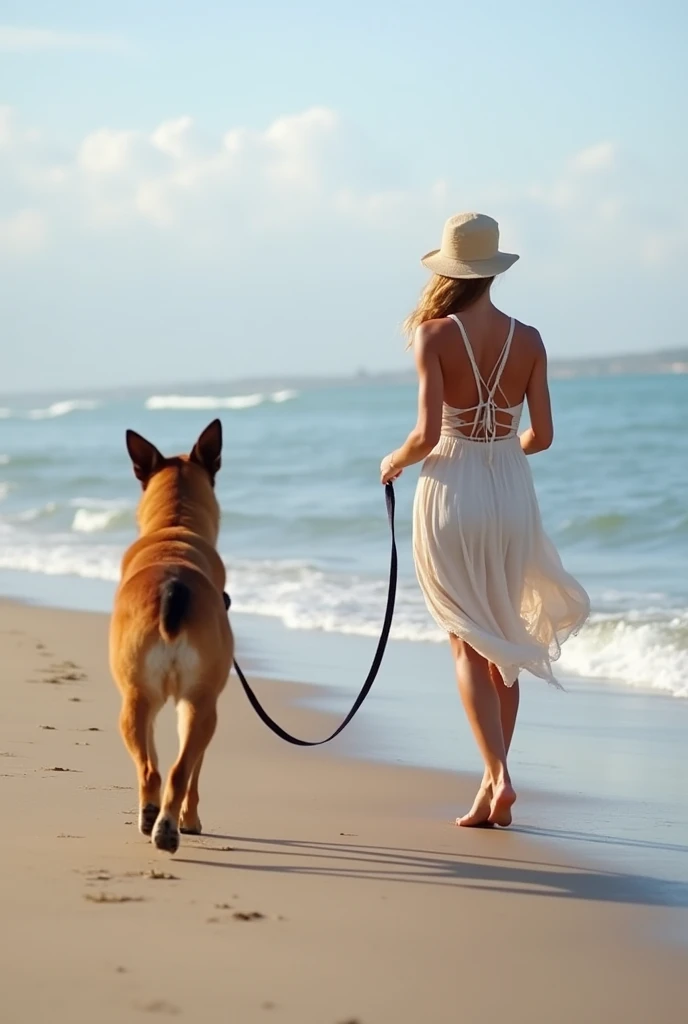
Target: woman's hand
[{"x": 388, "y": 470}]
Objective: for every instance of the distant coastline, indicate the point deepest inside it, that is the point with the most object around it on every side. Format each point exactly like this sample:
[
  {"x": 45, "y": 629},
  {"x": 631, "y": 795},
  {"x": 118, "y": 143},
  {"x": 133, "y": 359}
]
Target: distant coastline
[
  {"x": 667, "y": 361},
  {"x": 643, "y": 363}
]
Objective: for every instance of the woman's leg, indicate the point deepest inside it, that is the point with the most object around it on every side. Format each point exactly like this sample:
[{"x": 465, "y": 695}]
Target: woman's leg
[
  {"x": 484, "y": 709},
  {"x": 509, "y": 697},
  {"x": 508, "y": 701}
]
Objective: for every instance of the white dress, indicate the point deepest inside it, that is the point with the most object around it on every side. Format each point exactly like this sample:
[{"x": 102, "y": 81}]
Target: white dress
[{"x": 488, "y": 572}]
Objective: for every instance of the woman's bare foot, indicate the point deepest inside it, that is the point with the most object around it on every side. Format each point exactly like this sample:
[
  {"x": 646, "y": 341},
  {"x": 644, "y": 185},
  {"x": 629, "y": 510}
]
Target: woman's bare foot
[
  {"x": 503, "y": 799},
  {"x": 479, "y": 814}
]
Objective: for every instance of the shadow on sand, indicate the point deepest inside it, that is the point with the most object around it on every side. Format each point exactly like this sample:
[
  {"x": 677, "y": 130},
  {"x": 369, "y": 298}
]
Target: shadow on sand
[{"x": 427, "y": 867}]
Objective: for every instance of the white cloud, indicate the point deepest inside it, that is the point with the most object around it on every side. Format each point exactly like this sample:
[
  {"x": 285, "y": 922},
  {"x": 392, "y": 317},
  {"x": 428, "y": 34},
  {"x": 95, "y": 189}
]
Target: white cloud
[
  {"x": 22, "y": 233},
  {"x": 662, "y": 248},
  {"x": 573, "y": 185},
  {"x": 172, "y": 137},
  {"x": 141, "y": 243},
  {"x": 599, "y": 157},
  {"x": 106, "y": 152},
  {"x": 153, "y": 205},
  {"x": 559, "y": 194},
  {"x": 303, "y": 177},
  {"x": 39, "y": 40}
]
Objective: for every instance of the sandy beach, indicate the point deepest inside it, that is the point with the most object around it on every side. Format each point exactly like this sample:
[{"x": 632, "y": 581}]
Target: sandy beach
[{"x": 326, "y": 888}]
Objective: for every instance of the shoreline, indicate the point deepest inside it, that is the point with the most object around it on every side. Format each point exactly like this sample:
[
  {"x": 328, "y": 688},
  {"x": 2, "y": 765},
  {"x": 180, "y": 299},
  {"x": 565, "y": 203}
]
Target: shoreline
[
  {"x": 371, "y": 906},
  {"x": 603, "y": 764}
]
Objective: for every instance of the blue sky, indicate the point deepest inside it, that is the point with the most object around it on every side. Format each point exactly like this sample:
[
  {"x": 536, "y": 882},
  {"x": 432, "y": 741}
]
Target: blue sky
[{"x": 211, "y": 191}]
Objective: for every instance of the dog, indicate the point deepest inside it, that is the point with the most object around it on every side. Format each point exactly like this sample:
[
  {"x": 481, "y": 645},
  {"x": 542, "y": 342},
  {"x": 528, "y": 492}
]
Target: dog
[{"x": 169, "y": 632}]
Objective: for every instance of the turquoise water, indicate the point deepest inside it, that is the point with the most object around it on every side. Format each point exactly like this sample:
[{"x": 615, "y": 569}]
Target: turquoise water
[{"x": 305, "y": 534}]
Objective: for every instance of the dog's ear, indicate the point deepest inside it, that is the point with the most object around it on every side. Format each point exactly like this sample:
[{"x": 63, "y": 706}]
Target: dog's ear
[
  {"x": 207, "y": 452},
  {"x": 145, "y": 456}
]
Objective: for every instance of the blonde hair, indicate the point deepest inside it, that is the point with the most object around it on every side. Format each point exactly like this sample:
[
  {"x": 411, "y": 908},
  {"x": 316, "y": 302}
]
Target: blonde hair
[{"x": 442, "y": 296}]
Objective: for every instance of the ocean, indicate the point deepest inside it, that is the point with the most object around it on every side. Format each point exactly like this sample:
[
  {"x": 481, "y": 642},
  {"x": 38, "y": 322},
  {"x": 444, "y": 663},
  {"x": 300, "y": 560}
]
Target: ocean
[{"x": 304, "y": 531}]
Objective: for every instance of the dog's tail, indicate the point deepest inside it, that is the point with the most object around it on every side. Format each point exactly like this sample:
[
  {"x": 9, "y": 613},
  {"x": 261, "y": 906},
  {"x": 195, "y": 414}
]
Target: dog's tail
[{"x": 174, "y": 604}]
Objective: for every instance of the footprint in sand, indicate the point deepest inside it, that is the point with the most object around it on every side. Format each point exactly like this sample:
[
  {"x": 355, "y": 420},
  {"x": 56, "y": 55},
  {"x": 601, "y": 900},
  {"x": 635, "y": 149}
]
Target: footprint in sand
[
  {"x": 153, "y": 875},
  {"x": 97, "y": 875},
  {"x": 63, "y": 672},
  {"x": 159, "y": 1006},
  {"x": 111, "y": 897}
]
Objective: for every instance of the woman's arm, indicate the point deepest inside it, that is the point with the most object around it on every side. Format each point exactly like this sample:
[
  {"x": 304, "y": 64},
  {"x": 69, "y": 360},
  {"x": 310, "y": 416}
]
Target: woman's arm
[
  {"x": 540, "y": 434},
  {"x": 426, "y": 432}
]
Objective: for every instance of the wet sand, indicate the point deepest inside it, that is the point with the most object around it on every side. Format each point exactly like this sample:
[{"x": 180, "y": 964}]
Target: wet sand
[{"x": 326, "y": 888}]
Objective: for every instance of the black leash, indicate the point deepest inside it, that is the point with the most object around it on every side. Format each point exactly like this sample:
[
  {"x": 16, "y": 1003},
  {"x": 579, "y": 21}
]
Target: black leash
[{"x": 377, "y": 660}]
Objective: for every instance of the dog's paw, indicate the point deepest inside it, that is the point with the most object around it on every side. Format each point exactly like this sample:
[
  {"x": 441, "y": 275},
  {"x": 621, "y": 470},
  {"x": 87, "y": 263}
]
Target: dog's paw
[
  {"x": 166, "y": 835},
  {"x": 148, "y": 815}
]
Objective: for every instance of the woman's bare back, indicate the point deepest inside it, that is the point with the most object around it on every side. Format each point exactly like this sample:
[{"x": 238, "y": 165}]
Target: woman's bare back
[{"x": 487, "y": 331}]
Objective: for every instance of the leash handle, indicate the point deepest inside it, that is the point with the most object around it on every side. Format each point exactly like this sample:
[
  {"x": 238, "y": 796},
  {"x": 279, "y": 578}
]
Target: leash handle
[{"x": 377, "y": 660}]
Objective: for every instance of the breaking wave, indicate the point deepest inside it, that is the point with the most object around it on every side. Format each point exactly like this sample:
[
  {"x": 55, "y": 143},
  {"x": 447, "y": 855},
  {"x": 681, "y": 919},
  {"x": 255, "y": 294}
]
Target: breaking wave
[{"x": 200, "y": 402}]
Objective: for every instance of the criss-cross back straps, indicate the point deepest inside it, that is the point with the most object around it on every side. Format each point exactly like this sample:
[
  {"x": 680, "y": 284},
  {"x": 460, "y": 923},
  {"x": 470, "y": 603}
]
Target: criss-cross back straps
[
  {"x": 486, "y": 410},
  {"x": 490, "y": 386}
]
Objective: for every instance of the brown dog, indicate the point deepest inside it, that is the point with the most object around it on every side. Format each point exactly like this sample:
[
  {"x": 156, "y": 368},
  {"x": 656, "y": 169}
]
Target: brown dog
[{"x": 169, "y": 635}]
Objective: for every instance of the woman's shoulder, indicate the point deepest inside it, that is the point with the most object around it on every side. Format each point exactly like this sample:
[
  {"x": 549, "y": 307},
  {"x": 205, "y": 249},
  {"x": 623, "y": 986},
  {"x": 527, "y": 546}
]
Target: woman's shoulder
[
  {"x": 431, "y": 328},
  {"x": 528, "y": 336},
  {"x": 431, "y": 333}
]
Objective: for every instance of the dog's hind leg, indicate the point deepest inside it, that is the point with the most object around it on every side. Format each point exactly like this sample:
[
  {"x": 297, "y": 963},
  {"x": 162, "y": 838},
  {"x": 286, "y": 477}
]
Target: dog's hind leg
[
  {"x": 197, "y": 718},
  {"x": 136, "y": 726},
  {"x": 189, "y": 822}
]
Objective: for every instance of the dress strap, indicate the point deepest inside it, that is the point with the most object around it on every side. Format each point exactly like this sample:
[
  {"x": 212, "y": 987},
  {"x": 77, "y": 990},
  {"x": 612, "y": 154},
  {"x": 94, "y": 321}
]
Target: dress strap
[
  {"x": 496, "y": 375},
  {"x": 479, "y": 382},
  {"x": 476, "y": 372}
]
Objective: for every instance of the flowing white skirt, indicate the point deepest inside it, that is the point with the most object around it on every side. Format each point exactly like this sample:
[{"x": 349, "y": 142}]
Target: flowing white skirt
[{"x": 488, "y": 572}]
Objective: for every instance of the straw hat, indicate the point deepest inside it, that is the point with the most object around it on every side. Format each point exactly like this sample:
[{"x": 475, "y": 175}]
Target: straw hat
[{"x": 470, "y": 248}]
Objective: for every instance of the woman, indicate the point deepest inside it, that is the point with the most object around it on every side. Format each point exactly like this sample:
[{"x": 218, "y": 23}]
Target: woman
[{"x": 490, "y": 576}]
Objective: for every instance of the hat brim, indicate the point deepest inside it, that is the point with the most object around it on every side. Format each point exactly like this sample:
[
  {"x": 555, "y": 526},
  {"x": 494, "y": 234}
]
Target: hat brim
[{"x": 447, "y": 267}]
